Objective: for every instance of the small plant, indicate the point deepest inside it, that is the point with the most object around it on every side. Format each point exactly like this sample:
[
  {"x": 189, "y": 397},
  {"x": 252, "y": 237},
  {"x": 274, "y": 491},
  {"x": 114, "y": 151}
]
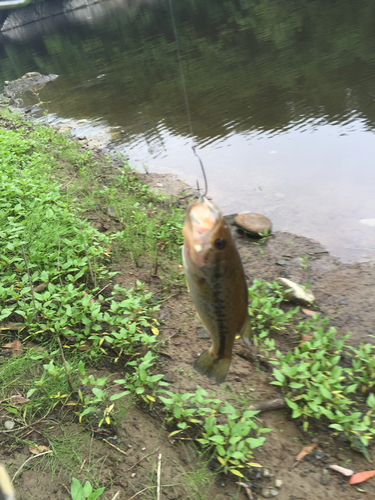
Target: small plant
[
  {"x": 305, "y": 262},
  {"x": 363, "y": 366},
  {"x": 140, "y": 381},
  {"x": 265, "y": 311},
  {"x": 316, "y": 386},
  {"x": 231, "y": 441},
  {"x": 85, "y": 492}
]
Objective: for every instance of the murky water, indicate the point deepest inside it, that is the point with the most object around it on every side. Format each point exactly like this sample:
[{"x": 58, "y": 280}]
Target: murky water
[{"x": 281, "y": 98}]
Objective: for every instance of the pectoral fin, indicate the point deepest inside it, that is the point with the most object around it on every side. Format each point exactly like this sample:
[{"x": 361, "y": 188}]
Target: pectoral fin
[{"x": 245, "y": 332}]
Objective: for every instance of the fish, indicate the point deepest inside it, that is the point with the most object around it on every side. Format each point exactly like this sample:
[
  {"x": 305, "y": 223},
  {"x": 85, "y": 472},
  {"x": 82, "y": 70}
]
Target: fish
[{"x": 217, "y": 285}]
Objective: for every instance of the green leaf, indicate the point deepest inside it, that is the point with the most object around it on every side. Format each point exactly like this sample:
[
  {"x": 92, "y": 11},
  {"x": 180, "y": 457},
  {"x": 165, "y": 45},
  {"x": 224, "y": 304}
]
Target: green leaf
[
  {"x": 325, "y": 392},
  {"x": 96, "y": 494},
  {"x": 219, "y": 439},
  {"x": 87, "y": 488},
  {"x": 77, "y": 490},
  {"x": 338, "y": 427},
  {"x": 291, "y": 404},
  {"x": 118, "y": 396},
  {"x": 278, "y": 375}
]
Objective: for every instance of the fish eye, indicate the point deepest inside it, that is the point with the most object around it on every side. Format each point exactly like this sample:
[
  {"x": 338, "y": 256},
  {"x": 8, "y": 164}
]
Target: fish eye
[{"x": 220, "y": 243}]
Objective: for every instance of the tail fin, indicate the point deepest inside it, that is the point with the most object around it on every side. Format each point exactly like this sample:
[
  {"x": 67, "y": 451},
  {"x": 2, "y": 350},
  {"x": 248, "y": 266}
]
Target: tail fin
[
  {"x": 245, "y": 332},
  {"x": 213, "y": 368}
]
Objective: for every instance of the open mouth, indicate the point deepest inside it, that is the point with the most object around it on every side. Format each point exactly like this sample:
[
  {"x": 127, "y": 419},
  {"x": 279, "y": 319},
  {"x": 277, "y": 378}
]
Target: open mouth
[{"x": 203, "y": 218}]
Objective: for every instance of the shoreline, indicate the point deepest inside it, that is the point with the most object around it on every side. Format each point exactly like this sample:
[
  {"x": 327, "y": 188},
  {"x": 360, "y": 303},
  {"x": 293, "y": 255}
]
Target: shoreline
[{"x": 338, "y": 288}]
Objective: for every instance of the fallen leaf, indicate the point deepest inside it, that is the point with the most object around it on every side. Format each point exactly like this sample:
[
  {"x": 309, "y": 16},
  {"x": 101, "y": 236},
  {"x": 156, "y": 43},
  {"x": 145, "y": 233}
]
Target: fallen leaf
[
  {"x": 248, "y": 490},
  {"x": 40, "y": 288},
  {"x": 19, "y": 400},
  {"x": 16, "y": 347},
  {"x": 306, "y": 337},
  {"x": 38, "y": 449},
  {"x": 84, "y": 347},
  {"x": 309, "y": 312},
  {"x": 361, "y": 476},
  {"x": 303, "y": 453},
  {"x": 342, "y": 470}
]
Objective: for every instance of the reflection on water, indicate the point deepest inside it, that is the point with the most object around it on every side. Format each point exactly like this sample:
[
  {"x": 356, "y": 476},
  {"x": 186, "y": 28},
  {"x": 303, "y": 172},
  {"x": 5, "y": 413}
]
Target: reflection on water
[{"x": 281, "y": 95}]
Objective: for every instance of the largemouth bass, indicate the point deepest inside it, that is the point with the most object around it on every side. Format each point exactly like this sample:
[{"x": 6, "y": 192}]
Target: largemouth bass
[{"x": 217, "y": 285}]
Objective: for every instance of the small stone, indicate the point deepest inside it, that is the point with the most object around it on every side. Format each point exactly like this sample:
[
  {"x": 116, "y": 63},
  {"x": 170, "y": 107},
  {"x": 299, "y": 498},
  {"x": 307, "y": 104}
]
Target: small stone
[
  {"x": 9, "y": 424},
  {"x": 324, "y": 478},
  {"x": 320, "y": 454},
  {"x": 202, "y": 333},
  {"x": 253, "y": 223},
  {"x": 278, "y": 483},
  {"x": 282, "y": 262},
  {"x": 343, "y": 302},
  {"x": 266, "y": 493},
  {"x": 144, "y": 448},
  {"x": 6, "y": 82},
  {"x": 274, "y": 493},
  {"x": 266, "y": 473},
  {"x": 169, "y": 377},
  {"x": 133, "y": 474},
  {"x": 296, "y": 293},
  {"x": 317, "y": 250},
  {"x": 229, "y": 219},
  {"x": 163, "y": 315},
  {"x": 111, "y": 211}
]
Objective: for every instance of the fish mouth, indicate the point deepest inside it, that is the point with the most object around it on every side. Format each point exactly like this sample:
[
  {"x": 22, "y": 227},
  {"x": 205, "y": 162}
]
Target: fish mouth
[{"x": 202, "y": 220}]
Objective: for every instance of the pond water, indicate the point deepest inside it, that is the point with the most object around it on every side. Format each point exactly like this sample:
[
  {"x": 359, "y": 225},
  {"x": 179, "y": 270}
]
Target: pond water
[{"x": 281, "y": 98}]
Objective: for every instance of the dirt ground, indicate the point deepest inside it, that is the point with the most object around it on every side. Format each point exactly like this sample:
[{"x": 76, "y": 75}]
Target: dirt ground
[{"x": 344, "y": 292}]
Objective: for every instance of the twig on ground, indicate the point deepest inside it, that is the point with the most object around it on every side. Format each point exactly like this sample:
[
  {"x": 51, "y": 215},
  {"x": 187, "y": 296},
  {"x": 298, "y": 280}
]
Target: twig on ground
[
  {"x": 173, "y": 294},
  {"x": 115, "y": 447},
  {"x": 247, "y": 489},
  {"x": 139, "y": 492},
  {"x": 32, "y": 430},
  {"x": 101, "y": 290},
  {"x": 71, "y": 180},
  {"x": 65, "y": 365},
  {"x": 272, "y": 404},
  {"x": 159, "y": 477},
  {"x": 30, "y": 458},
  {"x": 63, "y": 485},
  {"x": 132, "y": 467},
  {"x": 117, "y": 494}
]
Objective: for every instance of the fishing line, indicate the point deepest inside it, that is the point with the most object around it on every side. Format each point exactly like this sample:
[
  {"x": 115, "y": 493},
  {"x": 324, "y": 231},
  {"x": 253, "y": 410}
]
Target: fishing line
[{"x": 187, "y": 100}]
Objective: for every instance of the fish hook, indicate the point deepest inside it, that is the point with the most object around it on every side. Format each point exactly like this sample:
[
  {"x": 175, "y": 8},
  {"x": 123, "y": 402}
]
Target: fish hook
[{"x": 204, "y": 175}]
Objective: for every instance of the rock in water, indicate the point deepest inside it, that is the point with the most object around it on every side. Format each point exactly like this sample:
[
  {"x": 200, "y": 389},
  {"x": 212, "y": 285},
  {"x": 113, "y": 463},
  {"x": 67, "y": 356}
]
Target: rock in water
[
  {"x": 255, "y": 224},
  {"x": 295, "y": 292}
]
